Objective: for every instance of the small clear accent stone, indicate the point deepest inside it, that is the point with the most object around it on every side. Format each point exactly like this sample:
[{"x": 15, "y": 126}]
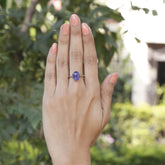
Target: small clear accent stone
[{"x": 76, "y": 76}]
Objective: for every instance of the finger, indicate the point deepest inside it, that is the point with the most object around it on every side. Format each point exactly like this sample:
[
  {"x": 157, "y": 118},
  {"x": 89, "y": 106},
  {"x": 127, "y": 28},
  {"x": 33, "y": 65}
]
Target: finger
[
  {"x": 62, "y": 56},
  {"x": 90, "y": 56},
  {"x": 50, "y": 72},
  {"x": 76, "y": 48},
  {"x": 106, "y": 95}
]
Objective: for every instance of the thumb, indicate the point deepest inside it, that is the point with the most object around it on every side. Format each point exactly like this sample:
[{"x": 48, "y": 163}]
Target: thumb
[{"x": 106, "y": 95}]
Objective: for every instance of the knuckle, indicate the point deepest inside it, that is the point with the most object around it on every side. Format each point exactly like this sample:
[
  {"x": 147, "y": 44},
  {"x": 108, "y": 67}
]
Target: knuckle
[
  {"x": 76, "y": 92},
  {"x": 60, "y": 94},
  {"x": 91, "y": 60},
  {"x": 76, "y": 31},
  {"x": 50, "y": 59},
  {"x": 92, "y": 92},
  {"x": 111, "y": 87},
  {"x": 62, "y": 62},
  {"x": 87, "y": 39},
  {"x": 63, "y": 40},
  {"x": 76, "y": 55},
  {"x": 49, "y": 76},
  {"x": 60, "y": 99},
  {"x": 107, "y": 92}
]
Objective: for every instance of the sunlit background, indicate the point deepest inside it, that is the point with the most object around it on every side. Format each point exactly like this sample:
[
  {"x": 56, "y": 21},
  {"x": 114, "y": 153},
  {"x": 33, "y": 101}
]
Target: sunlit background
[{"x": 130, "y": 39}]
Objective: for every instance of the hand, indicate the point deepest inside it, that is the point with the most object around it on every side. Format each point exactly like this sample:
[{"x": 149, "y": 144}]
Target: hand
[{"x": 74, "y": 112}]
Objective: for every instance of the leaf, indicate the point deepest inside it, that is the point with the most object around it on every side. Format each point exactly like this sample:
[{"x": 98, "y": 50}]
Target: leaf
[
  {"x": 111, "y": 41},
  {"x": 99, "y": 42},
  {"x": 57, "y": 25},
  {"x": 108, "y": 54},
  {"x": 102, "y": 73},
  {"x": 137, "y": 40},
  {"x": 146, "y": 10},
  {"x": 154, "y": 12},
  {"x": 34, "y": 116}
]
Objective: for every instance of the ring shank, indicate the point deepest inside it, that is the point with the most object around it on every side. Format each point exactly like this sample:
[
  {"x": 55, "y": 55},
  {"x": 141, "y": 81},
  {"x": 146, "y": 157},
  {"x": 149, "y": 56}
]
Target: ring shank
[{"x": 83, "y": 76}]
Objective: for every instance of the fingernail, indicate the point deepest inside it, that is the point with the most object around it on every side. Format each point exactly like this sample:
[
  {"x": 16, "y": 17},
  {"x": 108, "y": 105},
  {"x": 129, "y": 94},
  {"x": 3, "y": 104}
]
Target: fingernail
[
  {"x": 53, "y": 49},
  {"x": 85, "y": 29},
  {"x": 65, "y": 29},
  {"x": 113, "y": 78},
  {"x": 74, "y": 20}
]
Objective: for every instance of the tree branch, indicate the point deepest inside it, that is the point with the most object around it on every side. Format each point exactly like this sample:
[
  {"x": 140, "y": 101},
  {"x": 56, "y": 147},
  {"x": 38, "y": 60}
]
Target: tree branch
[{"x": 29, "y": 14}]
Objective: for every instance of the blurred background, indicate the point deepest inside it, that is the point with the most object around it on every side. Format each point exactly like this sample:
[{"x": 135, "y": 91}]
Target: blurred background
[{"x": 129, "y": 38}]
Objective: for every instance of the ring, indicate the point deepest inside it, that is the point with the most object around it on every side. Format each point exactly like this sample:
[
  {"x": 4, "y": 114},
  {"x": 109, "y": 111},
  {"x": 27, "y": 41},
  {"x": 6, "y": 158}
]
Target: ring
[{"x": 76, "y": 76}]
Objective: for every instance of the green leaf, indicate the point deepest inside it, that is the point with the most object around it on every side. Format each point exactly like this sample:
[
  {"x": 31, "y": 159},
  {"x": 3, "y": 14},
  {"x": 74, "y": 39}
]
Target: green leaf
[
  {"x": 154, "y": 12},
  {"x": 137, "y": 40},
  {"x": 102, "y": 73}
]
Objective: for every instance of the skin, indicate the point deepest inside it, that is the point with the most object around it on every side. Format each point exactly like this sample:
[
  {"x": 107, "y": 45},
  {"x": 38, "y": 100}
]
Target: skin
[{"x": 74, "y": 112}]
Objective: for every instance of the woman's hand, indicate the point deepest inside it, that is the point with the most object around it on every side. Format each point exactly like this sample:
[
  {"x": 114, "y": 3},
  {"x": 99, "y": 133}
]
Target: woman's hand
[{"x": 74, "y": 112}]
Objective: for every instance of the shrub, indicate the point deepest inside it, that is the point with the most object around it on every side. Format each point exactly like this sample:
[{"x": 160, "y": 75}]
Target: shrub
[{"x": 138, "y": 134}]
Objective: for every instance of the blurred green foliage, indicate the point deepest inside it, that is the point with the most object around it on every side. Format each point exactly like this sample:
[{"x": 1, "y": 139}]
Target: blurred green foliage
[
  {"x": 139, "y": 135},
  {"x": 160, "y": 91},
  {"x": 22, "y": 65}
]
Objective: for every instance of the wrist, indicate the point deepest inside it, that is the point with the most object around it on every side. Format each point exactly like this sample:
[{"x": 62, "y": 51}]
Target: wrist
[{"x": 76, "y": 158}]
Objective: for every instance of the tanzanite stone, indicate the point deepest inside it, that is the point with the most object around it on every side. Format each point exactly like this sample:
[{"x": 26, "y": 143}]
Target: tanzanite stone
[{"x": 76, "y": 76}]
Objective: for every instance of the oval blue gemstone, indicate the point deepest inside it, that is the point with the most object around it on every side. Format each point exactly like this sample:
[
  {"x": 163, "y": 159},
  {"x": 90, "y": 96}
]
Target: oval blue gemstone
[{"x": 76, "y": 75}]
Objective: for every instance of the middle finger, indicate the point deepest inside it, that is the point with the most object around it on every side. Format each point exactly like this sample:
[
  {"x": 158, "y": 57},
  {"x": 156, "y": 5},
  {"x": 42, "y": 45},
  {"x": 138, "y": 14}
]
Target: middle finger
[{"x": 76, "y": 47}]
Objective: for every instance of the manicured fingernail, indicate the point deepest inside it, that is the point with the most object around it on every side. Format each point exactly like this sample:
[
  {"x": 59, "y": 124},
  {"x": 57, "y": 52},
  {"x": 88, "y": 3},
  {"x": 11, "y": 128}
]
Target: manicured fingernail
[
  {"x": 85, "y": 29},
  {"x": 65, "y": 29},
  {"x": 113, "y": 78},
  {"x": 53, "y": 49},
  {"x": 74, "y": 20}
]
